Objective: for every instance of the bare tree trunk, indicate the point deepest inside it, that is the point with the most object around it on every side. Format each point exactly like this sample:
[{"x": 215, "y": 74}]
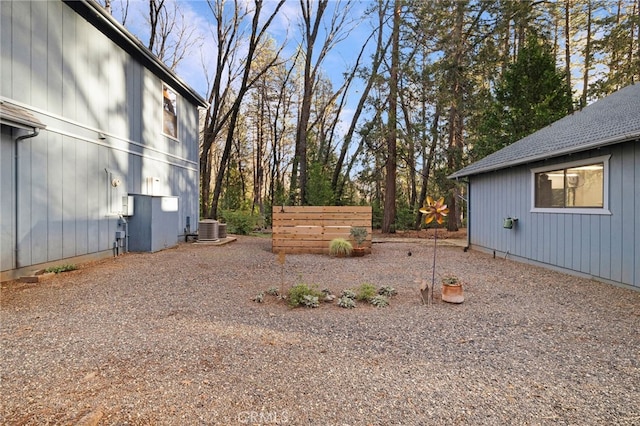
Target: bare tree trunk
[
  {"x": 258, "y": 160},
  {"x": 333, "y": 34},
  {"x": 338, "y": 187},
  {"x": 410, "y": 160},
  {"x": 455, "y": 114},
  {"x": 217, "y": 115},
  {"x": 299, "y": 179},
  {"x": 389, "y": 216},
  {"x": 587, "y": 59},
  {"x": 567, "y": 45},
  {"x": 155, "y": 9},
  {"x": 282, "y": 108},
  {"x": 256, "y": 35},
  {"x": 634, "y": 64},
  {"x": 427, "y": 160}
]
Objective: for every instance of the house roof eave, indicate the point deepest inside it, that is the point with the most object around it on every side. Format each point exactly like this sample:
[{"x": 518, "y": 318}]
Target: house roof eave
[
  {"x": 552, "y": 154},
  {"x": 95, "y": 14}
]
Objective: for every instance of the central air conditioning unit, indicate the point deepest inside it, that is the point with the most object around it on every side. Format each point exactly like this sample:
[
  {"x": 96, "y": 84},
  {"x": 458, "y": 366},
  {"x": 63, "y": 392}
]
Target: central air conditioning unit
[
  {"x": 222, "y": 231},
  {"x": 208, "y": 230}
]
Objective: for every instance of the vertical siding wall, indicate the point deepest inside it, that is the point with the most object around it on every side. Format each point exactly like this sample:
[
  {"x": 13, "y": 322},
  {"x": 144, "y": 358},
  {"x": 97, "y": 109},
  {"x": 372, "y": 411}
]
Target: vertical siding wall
[
  {"x": 309, "y": 229},
  {"x": 603, "y": 246},
  {"x": 79, "y": 83}
]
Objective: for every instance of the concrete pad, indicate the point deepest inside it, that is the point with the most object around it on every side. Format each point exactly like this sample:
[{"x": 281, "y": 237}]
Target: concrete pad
[{"x": 219, "y": 242}]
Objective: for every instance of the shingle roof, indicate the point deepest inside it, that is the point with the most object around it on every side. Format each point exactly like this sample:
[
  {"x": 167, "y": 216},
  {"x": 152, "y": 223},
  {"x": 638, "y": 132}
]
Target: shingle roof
[{"x": 610, "y": 120}]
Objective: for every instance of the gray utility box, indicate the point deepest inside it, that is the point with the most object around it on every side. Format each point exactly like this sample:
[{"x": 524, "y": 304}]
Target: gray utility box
[{"x": 154, "y": 226}]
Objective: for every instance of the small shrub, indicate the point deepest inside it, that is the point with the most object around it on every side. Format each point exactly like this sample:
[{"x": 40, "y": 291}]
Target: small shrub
[
  {"x": 310, "y": 301},
  {"x": 61, "y": 268},
  {"x": 359, "y": 234},
  {"x": 340, "y": 247},
  {"x": 346, "y": 302},
  {"x": 273, "y": 291},
  {"x": 387, "y": 290},
  {"x": 298, "y": 292},
  {"x": 379, "y": 301},
  {"x": 259, "y": 298},
  {"x": 349, "y": 294},
  {"x": 240, "y": 222},
  {"x": 366, "y": 292},
  {"x": 450, "y": 280}
]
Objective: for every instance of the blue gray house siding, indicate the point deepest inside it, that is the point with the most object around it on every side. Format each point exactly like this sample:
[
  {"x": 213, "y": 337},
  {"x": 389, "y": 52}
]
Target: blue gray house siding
[
  {"x": 102, "y": 108},
  {"x": 605, "y": 247}
]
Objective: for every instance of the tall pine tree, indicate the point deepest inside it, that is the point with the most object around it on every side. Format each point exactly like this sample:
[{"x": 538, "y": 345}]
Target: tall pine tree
[{"x": 530, "y": 95}]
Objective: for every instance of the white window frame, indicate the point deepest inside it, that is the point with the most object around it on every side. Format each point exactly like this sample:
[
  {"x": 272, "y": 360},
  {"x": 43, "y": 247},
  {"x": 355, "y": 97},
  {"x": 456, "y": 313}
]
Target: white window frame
[{"x": 604, "y": 210}]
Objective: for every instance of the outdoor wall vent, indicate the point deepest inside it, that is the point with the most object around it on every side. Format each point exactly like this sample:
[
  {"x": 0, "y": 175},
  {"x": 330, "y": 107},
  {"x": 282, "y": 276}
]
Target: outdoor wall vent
[
  {"x": 509, "y": 222},
  {"x": 208, "y": 230}
]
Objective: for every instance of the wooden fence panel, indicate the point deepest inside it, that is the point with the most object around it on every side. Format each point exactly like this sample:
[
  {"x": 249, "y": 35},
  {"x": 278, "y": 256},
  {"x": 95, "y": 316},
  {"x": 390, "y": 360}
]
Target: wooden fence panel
[{"x": 310, "y": 229}]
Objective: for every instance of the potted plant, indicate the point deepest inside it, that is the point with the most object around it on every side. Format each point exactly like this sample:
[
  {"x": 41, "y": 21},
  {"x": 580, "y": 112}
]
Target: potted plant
[
  {"x": 340, "y": 247},
  {"x": 359, "y": 234},
  {"x": 452, "y": 289},
  {"x": 437, "y": 211}
]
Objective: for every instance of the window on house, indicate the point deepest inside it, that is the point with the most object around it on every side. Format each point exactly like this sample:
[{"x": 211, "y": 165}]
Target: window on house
[
  {"x": 169, "y": 112},
  {"x": 577, "y": 187}
]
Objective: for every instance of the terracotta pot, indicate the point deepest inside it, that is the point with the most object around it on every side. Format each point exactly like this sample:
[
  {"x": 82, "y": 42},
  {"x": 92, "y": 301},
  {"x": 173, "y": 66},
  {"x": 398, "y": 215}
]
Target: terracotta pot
[
  {"x": 452, "y": 293},
  {"x": 358, "y": 252}
]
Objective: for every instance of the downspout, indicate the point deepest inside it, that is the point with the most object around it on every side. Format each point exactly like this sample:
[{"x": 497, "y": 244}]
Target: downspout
[
  {"x": 468, "y": 215},
  {"x": 36, "y": 132},
  {"x": 468, "y": 183}
]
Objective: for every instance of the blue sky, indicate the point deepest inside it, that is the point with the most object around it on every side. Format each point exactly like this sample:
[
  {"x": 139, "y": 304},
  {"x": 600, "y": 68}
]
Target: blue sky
[{"x": 285, "y": 28}]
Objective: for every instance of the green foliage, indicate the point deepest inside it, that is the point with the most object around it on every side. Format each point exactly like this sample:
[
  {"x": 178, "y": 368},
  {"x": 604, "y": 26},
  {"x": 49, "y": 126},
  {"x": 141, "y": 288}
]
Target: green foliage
[
  {"x": 405, "y": 217},
  {"x": 366, "y": 292},
  {"x": 232, "y": 197},
  {"x": 450, "y": 280},
  {"x": 240, "y": 222},
  {"x": 531, "y": 94},
  {"x": 319, "y": 192},
  {"x": 349, "y": 294},
  {"x": 359, "y": 234},
  {"x": 379, "y": 301},
  {"x": 376, "y": 214},
  {"x": 387, "y": 290},
  {"x": 310, "y": 296},
  {"x": 298, "y": 292},
  {"x": 310, "y": 301},
  {"x": 61, "y": 268},
  {"x": 268, "y": 219},
  {"x": 346, "y": 302},
  {"x": 615, "y": 43},
  {"x": 340, "y": 247}
]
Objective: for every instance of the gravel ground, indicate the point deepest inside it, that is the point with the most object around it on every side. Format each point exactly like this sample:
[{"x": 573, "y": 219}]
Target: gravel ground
[{"x": 174, "y": 338}]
